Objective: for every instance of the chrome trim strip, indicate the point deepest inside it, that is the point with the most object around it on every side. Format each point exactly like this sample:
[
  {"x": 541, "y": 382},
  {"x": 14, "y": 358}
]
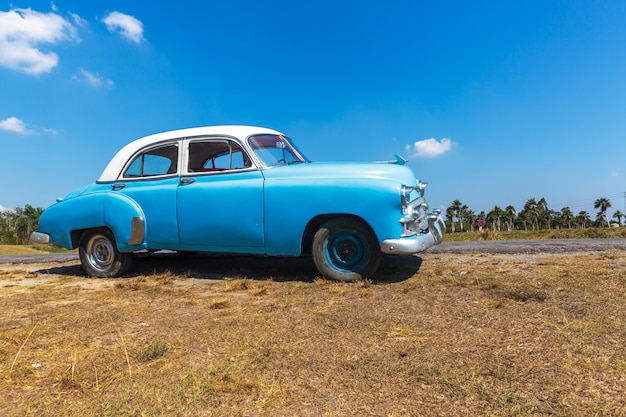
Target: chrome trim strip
[{"x": 136, "y": 231}]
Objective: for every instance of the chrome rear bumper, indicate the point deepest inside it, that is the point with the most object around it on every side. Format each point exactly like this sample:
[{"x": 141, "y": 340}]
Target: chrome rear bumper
[
  {"x": 39, "y": 238},
  {"x": 418, "y": 243}
]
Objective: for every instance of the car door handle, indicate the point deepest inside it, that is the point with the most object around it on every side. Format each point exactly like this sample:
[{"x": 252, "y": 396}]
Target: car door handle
[
  {"x": 187, "y": 180},
  {"x": 116, "y": 187}
]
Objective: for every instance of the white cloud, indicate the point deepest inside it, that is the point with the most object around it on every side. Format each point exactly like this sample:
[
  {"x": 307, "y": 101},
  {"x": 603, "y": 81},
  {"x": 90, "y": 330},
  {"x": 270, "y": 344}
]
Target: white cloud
[
  {"x": 78, "y": 21},
  {"x": 128, "y": 26},
  {"x": 15, "y": 125},
  {"x": 429, "y": 148},
  {"x": 615, "y": 173},
  {"x": 3, "y": 209},
  {"x": 93, "y": 79},
  {"x": 22, "y": 31}
]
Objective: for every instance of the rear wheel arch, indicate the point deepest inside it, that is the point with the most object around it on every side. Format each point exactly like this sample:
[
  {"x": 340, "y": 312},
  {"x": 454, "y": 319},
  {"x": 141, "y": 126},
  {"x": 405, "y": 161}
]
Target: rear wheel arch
[{"x": 77, "y": 234}]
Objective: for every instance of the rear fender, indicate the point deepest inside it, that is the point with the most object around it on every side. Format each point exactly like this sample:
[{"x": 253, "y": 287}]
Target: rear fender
[
  {"x": 117, "y": 212},
  {"x": 127, "y": 222},
  {"x": 60, "y": 221}
]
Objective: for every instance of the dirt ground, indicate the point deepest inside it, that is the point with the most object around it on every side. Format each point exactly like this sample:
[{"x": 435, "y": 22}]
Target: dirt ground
[{"x": 442, "y": 334}]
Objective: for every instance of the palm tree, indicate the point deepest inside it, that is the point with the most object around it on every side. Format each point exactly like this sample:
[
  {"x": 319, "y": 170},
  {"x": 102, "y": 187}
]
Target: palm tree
[
  {"x": 545, "y": 214},
  {"x": 618, "y": 215},
  {"x": 456, "y": 208},
  {"x": 602, "y": 204},
  {"x": 463, "y": 214},
  {"x": 495, "y": 216},
  {"x": 567, "y": 216},
  {"x": 583, "y": 218},
  {"x": 450, "y": 217},
  {"x": 600, "y": 220},
  {"x": 509, "y": 215},
  {"x": 532, "y": 209},
  {"x": 470, "y": 216}
]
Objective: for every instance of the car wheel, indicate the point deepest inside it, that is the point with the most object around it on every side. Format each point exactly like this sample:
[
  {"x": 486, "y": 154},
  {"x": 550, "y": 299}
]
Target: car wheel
[
  {"x": 99, "y": 255},
  {"x": 346, "y": 249}
]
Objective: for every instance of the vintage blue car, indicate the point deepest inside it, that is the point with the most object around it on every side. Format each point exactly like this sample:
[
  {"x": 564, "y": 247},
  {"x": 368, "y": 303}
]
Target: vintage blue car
[{"x": 242, "y": 189}]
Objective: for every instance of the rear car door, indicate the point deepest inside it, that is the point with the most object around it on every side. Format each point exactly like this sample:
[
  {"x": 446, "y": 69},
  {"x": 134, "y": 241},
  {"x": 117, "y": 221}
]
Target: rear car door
[{"x": 220, "y": 198}]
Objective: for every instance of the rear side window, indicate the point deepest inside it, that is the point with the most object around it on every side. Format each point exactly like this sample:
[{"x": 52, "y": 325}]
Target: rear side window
[
  {"x": 154, "y": 162},
  {"x": 216, "y": 155}
]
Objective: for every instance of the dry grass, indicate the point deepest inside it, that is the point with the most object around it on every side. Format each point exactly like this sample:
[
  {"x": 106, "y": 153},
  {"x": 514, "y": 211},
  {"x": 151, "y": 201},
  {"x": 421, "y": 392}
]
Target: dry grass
[{"x": 498, "y": 335}]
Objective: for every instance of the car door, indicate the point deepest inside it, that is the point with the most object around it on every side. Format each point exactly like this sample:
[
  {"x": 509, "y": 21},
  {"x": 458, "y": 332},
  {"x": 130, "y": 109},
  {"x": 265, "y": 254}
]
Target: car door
[
  {"x": 220, "y": 198},
  {"x": 151, "y": 180}
]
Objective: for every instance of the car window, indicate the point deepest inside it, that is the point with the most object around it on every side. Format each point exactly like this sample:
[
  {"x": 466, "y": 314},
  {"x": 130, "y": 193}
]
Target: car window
[
  {"x": 154, "y": 162},
  {"x": 275, "y": 150},
  {"x": 216, "y": 155}
]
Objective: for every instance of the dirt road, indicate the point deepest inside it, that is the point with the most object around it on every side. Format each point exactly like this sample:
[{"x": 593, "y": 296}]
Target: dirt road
[{"x": 530, "y": 246}]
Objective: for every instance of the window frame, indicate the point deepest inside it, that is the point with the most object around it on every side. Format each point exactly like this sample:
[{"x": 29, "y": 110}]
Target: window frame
[
  {"x": 224, "y": 139},
  {"x": 143, "y": 151}
]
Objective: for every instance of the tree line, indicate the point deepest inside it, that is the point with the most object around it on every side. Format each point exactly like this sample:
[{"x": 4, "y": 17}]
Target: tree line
[
  {"x": 535, "y": 215},
  {"x": 17, "y": 225}
]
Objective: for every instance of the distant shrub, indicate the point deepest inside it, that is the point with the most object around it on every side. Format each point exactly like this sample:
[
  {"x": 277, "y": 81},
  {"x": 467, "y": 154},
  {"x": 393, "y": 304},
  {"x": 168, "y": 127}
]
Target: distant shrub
[{"x": 487, "y": 234}]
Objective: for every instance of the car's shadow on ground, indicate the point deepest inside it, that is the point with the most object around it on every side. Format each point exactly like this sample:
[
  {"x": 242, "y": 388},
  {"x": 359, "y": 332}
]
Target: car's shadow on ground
[
  {"x": 393, "y": 268},
  {"x": 65, "y": 270}
]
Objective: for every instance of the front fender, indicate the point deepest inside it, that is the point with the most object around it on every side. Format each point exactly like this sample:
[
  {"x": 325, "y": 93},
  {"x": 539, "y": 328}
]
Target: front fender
[{"x": 377, "y": 203}]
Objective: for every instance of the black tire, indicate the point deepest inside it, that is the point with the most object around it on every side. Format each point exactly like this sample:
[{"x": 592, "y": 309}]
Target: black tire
[
  {"x": 346, "y": 249},
  {"x": 99, "y": 255}
]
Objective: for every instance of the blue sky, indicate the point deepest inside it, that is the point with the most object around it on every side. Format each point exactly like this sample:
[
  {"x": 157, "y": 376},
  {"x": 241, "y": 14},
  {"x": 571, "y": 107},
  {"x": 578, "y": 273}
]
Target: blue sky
[{"x": 492, "y": 102}]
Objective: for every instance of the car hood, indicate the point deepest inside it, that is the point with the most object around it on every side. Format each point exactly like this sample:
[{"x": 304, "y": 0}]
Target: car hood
[{"x": 343, "y": 170}]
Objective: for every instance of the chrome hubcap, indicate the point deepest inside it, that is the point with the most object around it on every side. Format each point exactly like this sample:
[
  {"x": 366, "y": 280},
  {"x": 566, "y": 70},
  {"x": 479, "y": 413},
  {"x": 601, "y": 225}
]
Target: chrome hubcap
[{"x": 101, "y": 252}]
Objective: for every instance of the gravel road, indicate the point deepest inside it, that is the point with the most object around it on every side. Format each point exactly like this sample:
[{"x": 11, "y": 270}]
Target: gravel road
[
  {"x": 37, "y": 258},
  {"x": 484, "y": 246},
  {"x": 530, "y": 246}
]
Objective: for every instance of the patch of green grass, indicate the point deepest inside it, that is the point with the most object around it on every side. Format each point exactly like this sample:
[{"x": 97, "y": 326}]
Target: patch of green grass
[
  {"x": 488, "y": 234},
  {"x": 26, "y": 249},
  {"x": 152, "y": 351}
]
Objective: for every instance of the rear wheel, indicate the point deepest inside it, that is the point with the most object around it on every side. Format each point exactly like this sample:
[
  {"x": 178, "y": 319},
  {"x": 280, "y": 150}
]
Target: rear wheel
[
  {"x": 99, "y": 255},
  {"x": 346, "y": 249}
]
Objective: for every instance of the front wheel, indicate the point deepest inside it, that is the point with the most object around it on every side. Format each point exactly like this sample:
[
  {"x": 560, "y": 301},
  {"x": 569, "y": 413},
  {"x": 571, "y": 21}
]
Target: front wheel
[
  {"x": 345, "y": 249},
  {"x": 100, "y": 257}
]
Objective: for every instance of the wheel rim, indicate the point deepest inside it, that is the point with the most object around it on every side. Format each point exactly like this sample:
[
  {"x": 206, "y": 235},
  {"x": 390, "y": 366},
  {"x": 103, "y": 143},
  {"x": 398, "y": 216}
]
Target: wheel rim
[
  {"x": 100, "y": 252},
  {"x": 346, "y": 251}
]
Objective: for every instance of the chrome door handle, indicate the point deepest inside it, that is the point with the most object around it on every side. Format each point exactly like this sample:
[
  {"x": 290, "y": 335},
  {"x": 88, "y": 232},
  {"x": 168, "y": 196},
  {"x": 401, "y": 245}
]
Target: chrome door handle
[
  {"x": 187, "y": 180},
  {"x": 116, "y": 187}
]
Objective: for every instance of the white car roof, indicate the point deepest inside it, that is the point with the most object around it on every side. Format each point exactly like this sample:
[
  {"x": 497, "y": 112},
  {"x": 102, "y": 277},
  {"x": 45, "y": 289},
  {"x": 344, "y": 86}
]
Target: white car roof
[{"x": 117, "y": 163}]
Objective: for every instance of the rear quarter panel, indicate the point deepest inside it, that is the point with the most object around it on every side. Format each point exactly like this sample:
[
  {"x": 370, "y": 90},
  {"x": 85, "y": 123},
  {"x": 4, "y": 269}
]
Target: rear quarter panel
[
  {"x": 93, "y": 209},
  {"x": 60, "y": 219}
]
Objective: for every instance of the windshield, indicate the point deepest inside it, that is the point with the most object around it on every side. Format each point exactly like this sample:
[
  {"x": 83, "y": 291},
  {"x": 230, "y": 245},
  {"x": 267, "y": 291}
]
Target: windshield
[{"x": 275, "y": 150}]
